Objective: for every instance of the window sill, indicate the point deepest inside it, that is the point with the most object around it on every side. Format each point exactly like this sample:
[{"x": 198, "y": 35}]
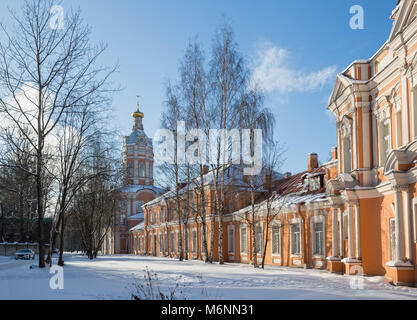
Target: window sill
[{"x": 296, "y": 255}]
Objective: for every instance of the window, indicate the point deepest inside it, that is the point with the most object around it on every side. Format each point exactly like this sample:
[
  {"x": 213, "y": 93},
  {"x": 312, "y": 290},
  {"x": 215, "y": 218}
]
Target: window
[
  {"x": 243, "y": 240},
  {"x": 142, "y": 170},
  {"x": 276, "y": 240},
  {"x": 314, "y": 183},
  {"x": 202, "y": 239},
  {"x": 194, "y": 236},
  {"x": 123, "y": 219},
  {"x": 161, "y": 243},
  {"x": 171, "y": 212},
  {"x": 172, "y": 242},
  {"x": 139, "y": 205},
  {"x": 166, "y": 243},
  {"x": 259, "y": 239},
  {"x": 386, "y": 141},
  {"x": 295, "y": 239},
  {"x": 399, "y": 129},
  {"x": 318, "y": 241},
  {"x": 392, "y": 237},
  {"x": 130, "y": 170},
  {"x": 231, "y": 239},
  {"x": 347, "y": 154}
]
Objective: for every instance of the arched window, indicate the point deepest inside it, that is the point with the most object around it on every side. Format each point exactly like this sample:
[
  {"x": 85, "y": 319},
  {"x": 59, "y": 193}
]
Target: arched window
[
  {"x": 130, "y": 170},
  {"x": 142, "y": 170}
]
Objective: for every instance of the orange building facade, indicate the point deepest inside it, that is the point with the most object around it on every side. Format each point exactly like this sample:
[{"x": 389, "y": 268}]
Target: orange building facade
[{"x": 355, "y": 213}]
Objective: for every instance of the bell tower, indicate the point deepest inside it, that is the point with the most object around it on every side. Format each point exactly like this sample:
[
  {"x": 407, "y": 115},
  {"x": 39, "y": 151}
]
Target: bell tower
[{"x": 137, "y": 154}]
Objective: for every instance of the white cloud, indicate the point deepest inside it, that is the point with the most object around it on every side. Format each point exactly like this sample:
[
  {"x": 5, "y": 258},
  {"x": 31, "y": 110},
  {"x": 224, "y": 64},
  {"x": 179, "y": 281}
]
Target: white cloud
[{"x": 272, "y": 71}]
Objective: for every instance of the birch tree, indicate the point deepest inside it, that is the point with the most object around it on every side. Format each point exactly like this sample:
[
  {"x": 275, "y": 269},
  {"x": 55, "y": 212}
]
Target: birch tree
[
  {"x": 253, "y": 115},
  {"x": 228, "y": 79}
]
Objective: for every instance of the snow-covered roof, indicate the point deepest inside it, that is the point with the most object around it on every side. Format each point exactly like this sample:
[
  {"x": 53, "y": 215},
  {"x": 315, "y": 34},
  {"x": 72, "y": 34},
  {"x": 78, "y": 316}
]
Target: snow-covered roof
[
  {"x": 233, "y": 177},
  {"x": 139, "y": 226},
  {"x": 136, "y": 216},
  {"x": 134, "y": 188},
  {"x": 285, "y": 201}
]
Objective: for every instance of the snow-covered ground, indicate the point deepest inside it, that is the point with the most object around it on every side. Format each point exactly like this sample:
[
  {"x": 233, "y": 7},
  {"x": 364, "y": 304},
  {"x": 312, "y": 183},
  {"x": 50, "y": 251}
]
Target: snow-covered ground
[{"x": 112, "y": 277}]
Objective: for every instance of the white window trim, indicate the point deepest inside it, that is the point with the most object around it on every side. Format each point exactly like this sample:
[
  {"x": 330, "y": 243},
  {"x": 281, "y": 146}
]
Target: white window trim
[
  {"x": 231, "y": 250},
  {"x": 313, "y": 220},
  {"x": 292, "y": 222},
  {"x": 276, "y": 255},
  {"x": 384, "y": 122},
  {"x": 243, "y": 226}
]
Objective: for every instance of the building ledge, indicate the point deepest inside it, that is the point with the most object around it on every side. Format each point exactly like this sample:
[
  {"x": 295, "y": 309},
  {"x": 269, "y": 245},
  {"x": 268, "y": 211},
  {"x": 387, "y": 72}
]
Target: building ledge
[
  {"x": 351, "y": 261},
  {"x": 399, "y": 264}
]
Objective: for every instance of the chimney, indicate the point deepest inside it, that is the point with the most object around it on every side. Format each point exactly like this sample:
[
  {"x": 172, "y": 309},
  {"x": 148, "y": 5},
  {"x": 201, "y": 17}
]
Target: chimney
[
  {"x": 313, "y": 161},
  {"x": 287, "y": 175},
  {"x": 334, "y": 153}
]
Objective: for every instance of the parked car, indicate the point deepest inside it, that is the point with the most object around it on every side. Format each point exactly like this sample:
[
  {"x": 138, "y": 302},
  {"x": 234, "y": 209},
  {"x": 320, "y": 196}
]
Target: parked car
[{"x": 25, "y": 254}]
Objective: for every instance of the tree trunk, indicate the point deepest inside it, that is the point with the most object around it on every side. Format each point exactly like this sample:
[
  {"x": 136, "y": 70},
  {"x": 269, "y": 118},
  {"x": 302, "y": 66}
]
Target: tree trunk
[
  {"x": 61, "y": 243},
  {"x": 39, "y": 187}
]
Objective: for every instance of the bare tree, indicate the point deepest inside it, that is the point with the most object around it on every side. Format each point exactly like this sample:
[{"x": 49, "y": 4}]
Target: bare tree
[
  {"x": 16, "y": 180},
  {"x": 193, "y": 86},
  {"x": 45, "y": 71},
  {"x": 255, "y": 116},
  {"x": 76, "y": 131},
  {"x": 273, "y": 158},
  {"x": 228, "y": 79},
  {"x": 93, "y": 205},
  {"x": 170, "y": 118}
]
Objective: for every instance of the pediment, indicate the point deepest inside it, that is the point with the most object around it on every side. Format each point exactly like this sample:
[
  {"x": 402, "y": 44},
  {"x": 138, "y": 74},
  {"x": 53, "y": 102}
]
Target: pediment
[{"x": 338, "y": 89}]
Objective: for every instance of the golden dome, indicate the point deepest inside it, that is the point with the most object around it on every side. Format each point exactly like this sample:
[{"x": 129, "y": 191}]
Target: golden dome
[{"x": 138, "y": 114}]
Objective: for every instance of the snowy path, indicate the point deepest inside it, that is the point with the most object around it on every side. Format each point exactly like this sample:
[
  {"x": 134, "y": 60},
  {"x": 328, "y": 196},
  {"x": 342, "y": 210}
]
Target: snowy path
[{"x": 112, "y": 277}]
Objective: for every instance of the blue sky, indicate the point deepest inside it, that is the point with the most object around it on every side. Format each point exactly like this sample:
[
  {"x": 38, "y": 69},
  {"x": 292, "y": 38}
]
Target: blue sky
[{"x": 310, "y": 39}]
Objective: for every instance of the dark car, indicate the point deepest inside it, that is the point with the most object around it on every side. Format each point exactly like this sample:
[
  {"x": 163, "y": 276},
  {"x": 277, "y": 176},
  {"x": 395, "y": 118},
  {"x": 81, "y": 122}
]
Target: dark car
[{"x": 25, "y": 254}]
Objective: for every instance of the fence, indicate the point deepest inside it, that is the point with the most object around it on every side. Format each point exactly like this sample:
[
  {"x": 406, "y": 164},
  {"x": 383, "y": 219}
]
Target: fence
[{"x": 9, "y": 249}]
